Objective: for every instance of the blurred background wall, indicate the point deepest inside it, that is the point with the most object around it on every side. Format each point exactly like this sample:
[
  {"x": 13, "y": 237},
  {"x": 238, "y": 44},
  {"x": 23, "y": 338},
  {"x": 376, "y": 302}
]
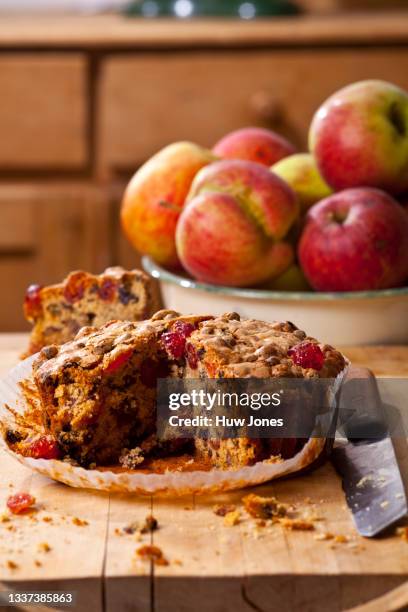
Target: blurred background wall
[{"x": 87, "y": 98}]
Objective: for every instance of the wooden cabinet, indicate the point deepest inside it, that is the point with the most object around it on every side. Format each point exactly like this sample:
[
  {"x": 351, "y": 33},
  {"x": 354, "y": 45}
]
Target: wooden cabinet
[
  {"x": 43, "y": 111},
  {"x": 47, "y": 231},
  {"x": 203, "y": 95}
]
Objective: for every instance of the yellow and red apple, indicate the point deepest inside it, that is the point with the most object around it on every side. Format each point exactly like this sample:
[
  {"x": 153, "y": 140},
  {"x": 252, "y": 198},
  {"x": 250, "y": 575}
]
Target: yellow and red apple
[{"x": 155, "y": 196}]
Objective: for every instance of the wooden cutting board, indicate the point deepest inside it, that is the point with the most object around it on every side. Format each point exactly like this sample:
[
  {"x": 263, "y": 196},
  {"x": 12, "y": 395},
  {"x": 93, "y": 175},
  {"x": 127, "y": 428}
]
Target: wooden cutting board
[{"x": 212, "y": 567}]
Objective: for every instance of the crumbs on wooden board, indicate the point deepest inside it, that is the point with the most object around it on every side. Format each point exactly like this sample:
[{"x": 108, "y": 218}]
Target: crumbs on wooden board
[
  {"x": 152, "y": 553},
  {"x": 149, "y": 525},
  {"x": 223, "y": 509},
  {"x": 79, "y": 522},
  {"x": 232, "y": 518},
  {"x": 44, "y": 547}
]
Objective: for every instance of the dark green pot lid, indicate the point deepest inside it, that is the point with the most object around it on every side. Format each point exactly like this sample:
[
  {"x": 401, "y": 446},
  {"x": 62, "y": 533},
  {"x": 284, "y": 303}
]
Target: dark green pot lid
[{"x": 182, "y": 9}]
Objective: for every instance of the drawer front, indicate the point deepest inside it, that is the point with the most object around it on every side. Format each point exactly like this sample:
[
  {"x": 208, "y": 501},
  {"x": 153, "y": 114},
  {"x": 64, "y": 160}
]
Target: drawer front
[
  {"x": 43, "y": 111},
  {"x": 50, "y": 232},
  {"x": 148, "y": 101}
]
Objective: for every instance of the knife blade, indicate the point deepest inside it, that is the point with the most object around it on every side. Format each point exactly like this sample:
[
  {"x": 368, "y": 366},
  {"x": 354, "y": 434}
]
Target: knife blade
[{"x": 366, "y": 461}]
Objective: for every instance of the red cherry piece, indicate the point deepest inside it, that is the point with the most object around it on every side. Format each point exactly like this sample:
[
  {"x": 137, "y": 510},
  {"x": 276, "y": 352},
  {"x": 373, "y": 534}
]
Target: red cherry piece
[
  {"x": 191, "y": 355},
  {"x": 185, "y": 329},
  {"x": 20, "y": 502},
  {"x": 32, "y": 301},
  {"x": 118, "y": 361},
  {"x": 107, "y": 290},
  {"x": 74, "y": 289},
  {"x": 174, "y": 343},
  {"x": 44, "y": 447},
  {"x": 307, "y": 355}
]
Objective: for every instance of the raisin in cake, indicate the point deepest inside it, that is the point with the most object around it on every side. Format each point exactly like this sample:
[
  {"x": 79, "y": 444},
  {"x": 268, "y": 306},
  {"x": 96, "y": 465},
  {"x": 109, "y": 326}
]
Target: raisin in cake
[
  {"x": 98, "y": 392},
  {"x": 59, "y": 311}
]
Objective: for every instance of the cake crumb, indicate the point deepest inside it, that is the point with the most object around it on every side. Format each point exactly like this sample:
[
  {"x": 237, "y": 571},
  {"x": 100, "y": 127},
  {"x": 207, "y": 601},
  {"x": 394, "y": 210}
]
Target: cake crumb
[
  {"x": 177, "y": 562},
  {"x": 341, "y": 539},
  {"x": 326, "y": 535},
  {"x": 403, "y": 532},
  {"x": 47, "y": 519},
  {"x": 37, "y": 563},
  {"x": 263, "y": 507},
  {"x": 79, "y": 522},
  {"x": 232, "y": 518},
  {"x": 44, "y": 547},
  {"x": 132, "y": 458},
  {"x": 297, "y": 524},
  {"x": 4, "y": 518},
  {"x": 150, "y": 524},
  {"x": 385, "y": 503},
  {"x": 12, "y": 565},
  {"x": 223, "y": 509},
  {"x": 152, "y": 553}
]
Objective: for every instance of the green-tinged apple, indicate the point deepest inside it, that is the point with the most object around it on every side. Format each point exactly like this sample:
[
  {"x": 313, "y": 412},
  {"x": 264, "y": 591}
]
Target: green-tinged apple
[
  {"x": 267, "y": 199},
  {"x": 359, "y": 137},
  {"x": 254, "y": 144},
  {"x": 292, "y": 279},
  {"x": 155, "y": 197},
  {"x": 219, "y": 242},
  {"x": 300, "y": 171},
  {"x": 355, "y": 240},
  {"x": 233, "y": 228}
]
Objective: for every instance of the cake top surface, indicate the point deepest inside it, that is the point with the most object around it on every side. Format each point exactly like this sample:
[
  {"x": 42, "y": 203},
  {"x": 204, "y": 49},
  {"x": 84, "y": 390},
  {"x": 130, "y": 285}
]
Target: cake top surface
[{"x": 240, "y": 347}]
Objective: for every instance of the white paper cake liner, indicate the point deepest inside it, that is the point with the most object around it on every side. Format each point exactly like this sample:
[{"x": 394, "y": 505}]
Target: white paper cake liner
[{"x": 169, "y": 483}]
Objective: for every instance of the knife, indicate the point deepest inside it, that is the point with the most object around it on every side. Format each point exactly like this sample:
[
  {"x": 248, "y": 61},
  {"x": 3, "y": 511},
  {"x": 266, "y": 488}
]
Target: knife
[{"x": 366, "y": 461}]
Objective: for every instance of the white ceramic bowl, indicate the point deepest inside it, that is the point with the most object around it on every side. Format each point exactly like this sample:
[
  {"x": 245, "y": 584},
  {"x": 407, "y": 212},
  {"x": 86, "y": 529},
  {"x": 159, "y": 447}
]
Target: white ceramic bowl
[{"x": 363, "y": 317}]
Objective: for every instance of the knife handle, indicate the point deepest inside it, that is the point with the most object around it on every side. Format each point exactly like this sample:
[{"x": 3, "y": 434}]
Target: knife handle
[{"x": 361, "y": 412}]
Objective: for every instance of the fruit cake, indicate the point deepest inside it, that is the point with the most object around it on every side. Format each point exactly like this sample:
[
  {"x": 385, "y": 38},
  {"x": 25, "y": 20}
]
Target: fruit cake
[
  {"x": 98, "y": 391},
  {"x": 58, "y": 312}
]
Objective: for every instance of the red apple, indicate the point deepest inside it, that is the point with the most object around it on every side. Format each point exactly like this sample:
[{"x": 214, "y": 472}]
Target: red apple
[
  {"x": 359, "y": 137},
  {"x": 403, "y": 200},
  {"x": 254, "y": 144},
  {"x": 355, "y": 240},
  {"x": 219, "y": 243}
]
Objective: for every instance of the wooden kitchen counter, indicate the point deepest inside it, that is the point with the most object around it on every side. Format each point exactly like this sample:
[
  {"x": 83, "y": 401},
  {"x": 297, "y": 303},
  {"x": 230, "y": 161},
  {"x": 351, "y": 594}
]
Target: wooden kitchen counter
[
  {"x": 115, "y": 31},
  {"x": 212, "y": 567}
]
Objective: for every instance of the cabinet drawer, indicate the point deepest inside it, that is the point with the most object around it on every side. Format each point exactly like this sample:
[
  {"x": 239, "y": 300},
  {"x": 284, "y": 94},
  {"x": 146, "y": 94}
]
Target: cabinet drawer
[
  {"x": 43, "y": 111},
  {"x": 50, "y": 231},
  {"x": 148, "y": 101}
]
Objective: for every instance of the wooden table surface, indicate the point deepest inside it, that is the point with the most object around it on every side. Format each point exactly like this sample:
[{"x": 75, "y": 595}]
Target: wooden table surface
[{"x": 212, "y": 567}]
